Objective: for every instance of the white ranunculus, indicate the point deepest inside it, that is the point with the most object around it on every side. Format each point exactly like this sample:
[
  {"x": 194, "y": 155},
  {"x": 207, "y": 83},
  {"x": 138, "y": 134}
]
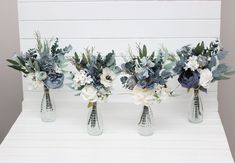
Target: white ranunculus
[
  {"x": 107, "y": 77},
  {"x": 82, "y": 78},
  {"x": 205, "y": 78},
  {"x": 143, "y": 96},
  {"x": 89, "y": 93},
  {"x": 192, "y": 63}
]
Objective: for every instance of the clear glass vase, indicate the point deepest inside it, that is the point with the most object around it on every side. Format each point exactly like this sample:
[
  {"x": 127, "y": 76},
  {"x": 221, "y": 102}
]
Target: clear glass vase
[
  {"x": 196, "y": 108},
  {"x": 48, "y": 110},
  {"x": 145, "y": 122},
  {"x": 94, "y": 122}
]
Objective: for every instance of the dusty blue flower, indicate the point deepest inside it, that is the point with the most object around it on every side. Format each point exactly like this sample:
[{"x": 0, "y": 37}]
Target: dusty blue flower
[
  {"x": 143, "y": 83},
  {"x": 46, "y": 63},
  {"x": 189, "y": 79},
  {"x": 54, "y": 80},
  {"x": 131, "y": 83}
]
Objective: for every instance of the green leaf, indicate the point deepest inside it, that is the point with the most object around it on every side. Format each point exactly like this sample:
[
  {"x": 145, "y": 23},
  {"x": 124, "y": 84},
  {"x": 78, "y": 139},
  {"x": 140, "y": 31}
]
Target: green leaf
[
  {"x": 152, "y": 56},
  {"x": 140, "y": 53},
  {"x": 36, "y": 65},
  {"x": 29, "y": 69},
  {"x": 21, "y": 60},
  {"x": 18, "y": 68},
  {"x": 203, "y": 89},
  {"x": 144, "y": 51},
  {"x": 78, "y": 94},
  {"x": 169, "y": 66},
  {"x": 199, "y": 48},
  {"x": 84, "y": 60},
  {"x": 12, "y": 62},
  {"x": 229, "y": 73},
  {"x": 77, "y": 60},
  {"x": 117, "y": 70},
  {"x": 90, "y": 105},
  {"x": 110, "y": 59},
  {"x": 222, "y": 78},
  {"x": 31, "y": 63}
]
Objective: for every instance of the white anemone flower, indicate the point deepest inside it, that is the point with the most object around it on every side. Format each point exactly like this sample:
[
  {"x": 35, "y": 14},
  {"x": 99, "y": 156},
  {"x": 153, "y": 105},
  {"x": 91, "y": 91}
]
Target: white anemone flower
[{"x": 107, "y": 77}]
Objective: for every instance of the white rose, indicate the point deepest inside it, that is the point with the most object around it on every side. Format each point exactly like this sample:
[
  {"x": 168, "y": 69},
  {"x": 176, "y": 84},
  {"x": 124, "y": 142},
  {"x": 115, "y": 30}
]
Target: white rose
[
  {"x": 107, "y": 77},
  {"x": 192, "y": 63},
  {"x": 89, "y": 93},
  {"x": 205, "y": 78},
  {"x": 143, "y": 96}
]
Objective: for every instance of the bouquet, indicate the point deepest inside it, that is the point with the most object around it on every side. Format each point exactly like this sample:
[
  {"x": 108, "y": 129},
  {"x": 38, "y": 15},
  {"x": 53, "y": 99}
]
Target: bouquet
[
  {"x": 200, "y": 66},
  {"x": 43, "y": 65},
  {"x": 147, "y": 75},
  {"x": 95, "y": 75}
]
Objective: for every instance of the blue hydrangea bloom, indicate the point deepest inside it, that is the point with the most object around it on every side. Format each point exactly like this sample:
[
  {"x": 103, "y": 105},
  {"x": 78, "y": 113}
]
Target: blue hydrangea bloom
[{"x": 54, "y": 80}]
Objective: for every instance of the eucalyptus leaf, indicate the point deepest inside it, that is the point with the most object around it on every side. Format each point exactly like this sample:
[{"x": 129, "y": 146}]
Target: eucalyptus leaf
[
  {"x": 169, "y": 66},
  {"x": 212, "y": 62},
  {"x": 229, "y": 73},
  {"x": 110, "y": 59},
  {"x": 222, "y": 54},
  {"x": 222, "y": 78},
  {"x": 165, "y": 74}
]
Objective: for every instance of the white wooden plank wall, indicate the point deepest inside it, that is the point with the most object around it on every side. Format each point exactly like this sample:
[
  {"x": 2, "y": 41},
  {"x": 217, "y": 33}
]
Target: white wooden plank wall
[{"x": 108, "y": 25}]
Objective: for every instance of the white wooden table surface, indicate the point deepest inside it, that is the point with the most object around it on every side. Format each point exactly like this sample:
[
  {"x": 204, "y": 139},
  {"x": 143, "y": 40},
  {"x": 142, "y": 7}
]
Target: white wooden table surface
[{"x": 175, "y": 139}]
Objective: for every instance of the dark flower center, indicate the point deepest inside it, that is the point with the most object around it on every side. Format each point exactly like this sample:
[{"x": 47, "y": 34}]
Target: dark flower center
[
  {"x": 188, "y": 74},
  {"x": 108, "y": 77}
]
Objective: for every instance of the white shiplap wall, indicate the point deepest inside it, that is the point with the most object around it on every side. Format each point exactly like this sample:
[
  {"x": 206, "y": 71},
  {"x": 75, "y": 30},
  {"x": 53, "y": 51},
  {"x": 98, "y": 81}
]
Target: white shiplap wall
[{"x": 108, "y": 25}]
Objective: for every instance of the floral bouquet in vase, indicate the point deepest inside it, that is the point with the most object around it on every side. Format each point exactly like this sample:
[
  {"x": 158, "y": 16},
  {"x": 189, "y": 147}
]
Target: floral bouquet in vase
[
  {"x": 198, "y": 67},
  {"x": 147, "y": 76},
  {"x": 43, "y": 66},
  {"x": 93, "y": 81}
]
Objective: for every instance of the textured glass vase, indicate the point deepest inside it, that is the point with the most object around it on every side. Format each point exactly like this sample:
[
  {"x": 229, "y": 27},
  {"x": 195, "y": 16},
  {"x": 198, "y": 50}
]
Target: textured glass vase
[
  {"x": 94, "y": 122},
  {"x": 196, "y": 108},
  {"x": 48, "y": 110},
  {"x": 145, "y": 122}
]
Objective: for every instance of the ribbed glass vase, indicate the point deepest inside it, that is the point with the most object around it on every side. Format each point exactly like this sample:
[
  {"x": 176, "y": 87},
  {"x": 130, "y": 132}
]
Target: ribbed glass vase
[
  {"x": 196, "y": 108},
  {"x": 145, "y": 122},
  {"x": 48, "y": 110},
  {"x": 94, "y": 122}
]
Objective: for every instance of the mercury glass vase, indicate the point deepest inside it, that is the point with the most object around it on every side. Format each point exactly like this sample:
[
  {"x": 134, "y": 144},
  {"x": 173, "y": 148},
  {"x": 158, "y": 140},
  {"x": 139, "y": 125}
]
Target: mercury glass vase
[
  {"x": 94, "y": 122},
  {"x": 145, "y": 122},
  {"x": 196, "y": 108},
  {"x": 48, "y": 110}
]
